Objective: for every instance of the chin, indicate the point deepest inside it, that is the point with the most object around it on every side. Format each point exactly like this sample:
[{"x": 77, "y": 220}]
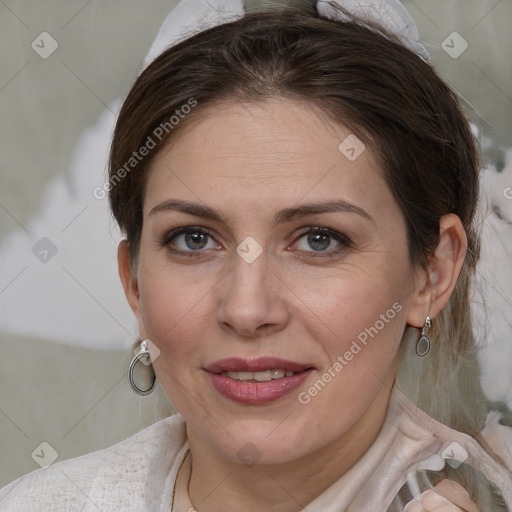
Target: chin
[{"x": 250, "y": 445}]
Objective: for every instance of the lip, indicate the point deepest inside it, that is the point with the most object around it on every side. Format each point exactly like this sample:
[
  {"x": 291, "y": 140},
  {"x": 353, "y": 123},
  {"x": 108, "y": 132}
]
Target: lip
[
  {"x": 255, "y": 393},
  {"x": 236, "y": 364}
]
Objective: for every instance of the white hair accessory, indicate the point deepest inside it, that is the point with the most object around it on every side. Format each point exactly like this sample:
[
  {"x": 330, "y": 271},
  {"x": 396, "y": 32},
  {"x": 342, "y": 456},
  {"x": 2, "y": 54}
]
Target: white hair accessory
[
  {"x": 389, "y": 14},
  {"x": 192, "y": 16}
]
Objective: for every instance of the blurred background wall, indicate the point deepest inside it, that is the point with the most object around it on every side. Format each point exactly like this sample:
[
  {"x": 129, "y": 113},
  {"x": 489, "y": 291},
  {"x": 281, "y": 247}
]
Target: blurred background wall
[{"x": 65, "y": 329}]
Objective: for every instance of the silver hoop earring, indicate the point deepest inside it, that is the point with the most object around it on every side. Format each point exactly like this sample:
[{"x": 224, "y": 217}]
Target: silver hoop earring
[
  {"x": 423, "y": 344},
  {"x": 144, "y": 357}
]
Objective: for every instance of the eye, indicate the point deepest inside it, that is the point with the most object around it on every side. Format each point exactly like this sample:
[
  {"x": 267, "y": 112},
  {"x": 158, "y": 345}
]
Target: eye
[
  {"x": 189, "y": 239},
  {"x": 322, "y": 240}
]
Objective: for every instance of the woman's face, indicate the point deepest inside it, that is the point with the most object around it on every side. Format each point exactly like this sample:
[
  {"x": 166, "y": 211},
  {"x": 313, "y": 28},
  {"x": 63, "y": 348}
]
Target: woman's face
[{"x": 267, "y": 247}]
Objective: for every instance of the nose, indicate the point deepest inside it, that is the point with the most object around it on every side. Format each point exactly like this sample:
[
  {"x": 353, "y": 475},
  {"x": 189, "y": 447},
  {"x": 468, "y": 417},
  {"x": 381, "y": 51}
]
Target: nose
[{"x": 252, "y": 301}]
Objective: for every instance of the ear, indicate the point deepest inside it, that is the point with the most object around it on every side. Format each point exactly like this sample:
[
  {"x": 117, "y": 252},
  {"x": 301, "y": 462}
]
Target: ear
[
  {"x": 128, "y": 279},
  {"x": 435, "y": 284}
]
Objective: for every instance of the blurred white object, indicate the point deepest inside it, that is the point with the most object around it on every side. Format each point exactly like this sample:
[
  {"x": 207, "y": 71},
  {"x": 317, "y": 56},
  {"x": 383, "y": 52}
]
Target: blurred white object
[
  {"x": 73, "y": 296},
  {"x": 390, "y": 14},
  {"x": 492, "y": 297},
  {"x": 190, "y": 17}
]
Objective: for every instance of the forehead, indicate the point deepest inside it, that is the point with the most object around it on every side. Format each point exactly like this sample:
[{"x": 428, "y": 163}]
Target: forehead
[{"x": 277, "y": 152}]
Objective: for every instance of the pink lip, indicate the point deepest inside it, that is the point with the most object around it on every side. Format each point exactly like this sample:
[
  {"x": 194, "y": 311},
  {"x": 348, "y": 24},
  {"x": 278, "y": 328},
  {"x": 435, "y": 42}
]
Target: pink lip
[
  {"x": 236, "y": 364},
  {"x": 251, "y": 392}
]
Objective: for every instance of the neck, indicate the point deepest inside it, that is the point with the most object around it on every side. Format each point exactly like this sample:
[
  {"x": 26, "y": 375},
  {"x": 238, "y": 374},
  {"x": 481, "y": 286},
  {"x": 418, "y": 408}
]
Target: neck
[{"x": 289, "y": 487}]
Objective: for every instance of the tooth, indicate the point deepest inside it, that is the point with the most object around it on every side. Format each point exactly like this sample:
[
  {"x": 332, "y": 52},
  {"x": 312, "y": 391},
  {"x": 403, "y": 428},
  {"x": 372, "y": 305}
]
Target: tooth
[{"x": 263, "y": 376}]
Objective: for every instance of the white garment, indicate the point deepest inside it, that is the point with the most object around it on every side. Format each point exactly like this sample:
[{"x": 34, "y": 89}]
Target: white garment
[{"x": 139, "y": 473}]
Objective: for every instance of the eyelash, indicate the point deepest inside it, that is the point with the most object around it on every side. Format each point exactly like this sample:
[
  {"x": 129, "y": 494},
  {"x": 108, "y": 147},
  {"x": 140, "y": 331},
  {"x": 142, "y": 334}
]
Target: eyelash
[{"x": 344, "y": 242}]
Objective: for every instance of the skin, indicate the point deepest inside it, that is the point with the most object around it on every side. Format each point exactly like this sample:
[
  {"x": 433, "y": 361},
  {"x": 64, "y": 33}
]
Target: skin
[
  {"x": 454, "y": 495},
  {"x": 294, "y": 302}
]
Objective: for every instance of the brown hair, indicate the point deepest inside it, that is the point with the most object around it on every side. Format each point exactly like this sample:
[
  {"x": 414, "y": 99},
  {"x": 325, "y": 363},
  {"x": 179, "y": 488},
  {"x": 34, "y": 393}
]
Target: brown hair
[{"x": 357, "y": 75}]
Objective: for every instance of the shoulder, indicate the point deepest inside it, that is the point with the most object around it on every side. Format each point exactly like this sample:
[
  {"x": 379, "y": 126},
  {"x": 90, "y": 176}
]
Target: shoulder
[{"x": 125, "y": 476}]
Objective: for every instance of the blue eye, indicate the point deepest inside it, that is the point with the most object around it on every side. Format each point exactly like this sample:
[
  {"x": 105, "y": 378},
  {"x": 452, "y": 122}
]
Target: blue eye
[
  {"x": 189, "y": 240},
  {"x": 322, "y": 240}
]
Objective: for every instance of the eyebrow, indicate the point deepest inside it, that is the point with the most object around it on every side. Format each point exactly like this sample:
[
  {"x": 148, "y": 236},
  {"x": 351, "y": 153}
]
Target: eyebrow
[{"x": 285, "y": 215}]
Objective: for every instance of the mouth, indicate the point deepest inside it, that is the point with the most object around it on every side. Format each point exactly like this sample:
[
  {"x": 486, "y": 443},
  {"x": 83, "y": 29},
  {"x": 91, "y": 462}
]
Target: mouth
[
  {"x": 264, "y": 376},
  {"x": 257, "y": 381},
  {"x": 260, "y": 365}
]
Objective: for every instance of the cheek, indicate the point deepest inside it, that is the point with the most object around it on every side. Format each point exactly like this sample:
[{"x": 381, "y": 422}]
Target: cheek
[
  {"x": 359, "y": 352},
  {"x": 356, "y": 305},
  {"x": 172, "y": 311},
  {"x": 359, "y": 348},
  {"x": 359, "y": 323}
]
